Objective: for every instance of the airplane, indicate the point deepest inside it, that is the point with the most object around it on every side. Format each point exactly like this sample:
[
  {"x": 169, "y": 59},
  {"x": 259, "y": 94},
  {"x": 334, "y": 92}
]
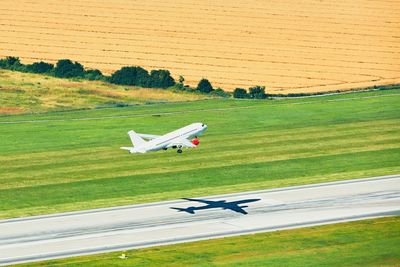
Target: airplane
[
  {"x": 234, "y": 205},
  {"x": 177, "y": 139}
]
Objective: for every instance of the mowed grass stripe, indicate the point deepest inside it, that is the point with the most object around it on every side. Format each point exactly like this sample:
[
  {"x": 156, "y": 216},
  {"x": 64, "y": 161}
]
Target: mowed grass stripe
[
  {"x": 279, "y": 117},
  {"x": 94, "y": 166},
  {"x": 267, "y": 138},
  {"x": 185, "y": 183},
  {"x": 217, "y": 142},
  {"x": 98, "y": 172},
  {"x": 279, "y": 147},
  {"x": 109, "y": 171},
  {"x": 252, "y": 152},
  {"x": 174, "y": 108}
]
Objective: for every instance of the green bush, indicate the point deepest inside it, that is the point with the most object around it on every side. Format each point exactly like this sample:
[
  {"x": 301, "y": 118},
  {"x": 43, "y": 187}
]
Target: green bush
[
  {"x": 65, "y": 68},
  {"x": 161, "y": 79},
  {"x": 93, "y": 75},
  {"x": 131, "y": 76},
  {"x": 12, "y": 63},
  {"x": 39, "y": 67},
  {"x": 257, "y": 92},
  {"x": 204, "y": 86},
  {"x": 240, "y": 93},
  {"x": 220, "y": 92},
  {"x": 179, "y": 86}
]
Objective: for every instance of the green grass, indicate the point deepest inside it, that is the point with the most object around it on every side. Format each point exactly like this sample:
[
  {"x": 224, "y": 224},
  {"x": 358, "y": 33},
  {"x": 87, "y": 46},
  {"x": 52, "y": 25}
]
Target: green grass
[
  {"x": 65, "y": 161},
  {"x": 364, "y": 243},
  {"x": 34, "y": 93}
]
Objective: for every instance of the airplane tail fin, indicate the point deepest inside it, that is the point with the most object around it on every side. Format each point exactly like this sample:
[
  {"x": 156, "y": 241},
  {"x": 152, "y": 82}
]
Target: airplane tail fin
[
  {"x": 188, "y": 210},
  {"x": 136, "y": 139}
]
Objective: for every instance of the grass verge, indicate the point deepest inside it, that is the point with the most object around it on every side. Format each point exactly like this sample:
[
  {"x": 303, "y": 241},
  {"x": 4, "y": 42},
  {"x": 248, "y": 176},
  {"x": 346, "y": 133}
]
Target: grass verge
[
  {"x": 372, "y": 242},
  {"x": 33, "y": 93}
]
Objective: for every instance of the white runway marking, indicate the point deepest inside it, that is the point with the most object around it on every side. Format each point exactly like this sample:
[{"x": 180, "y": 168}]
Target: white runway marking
[{"x": 119, "y": 228}]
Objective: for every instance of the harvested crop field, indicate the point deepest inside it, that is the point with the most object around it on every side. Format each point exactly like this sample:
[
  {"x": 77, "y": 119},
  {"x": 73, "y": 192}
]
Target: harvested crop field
[{"x": 286, "y": 45}]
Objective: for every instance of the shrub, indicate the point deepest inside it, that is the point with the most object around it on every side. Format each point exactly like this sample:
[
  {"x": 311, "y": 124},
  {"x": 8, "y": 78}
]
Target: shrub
[
  {"x": 131, "y": 76},
  {"x": 204, "y": 86},
  {"x": 179, "y": 86},
  {"x": 12, "y": 63},
  {"x": 161, "y": 79},
  {"x": 93, "y": 75},
  {"x": 220, "y": 92},
  {"x": 65, "y": 68},
  {"x": 40, "y": 67},
  {"x": 257, "y": 92},
  {"x": 240, "y": 93}
]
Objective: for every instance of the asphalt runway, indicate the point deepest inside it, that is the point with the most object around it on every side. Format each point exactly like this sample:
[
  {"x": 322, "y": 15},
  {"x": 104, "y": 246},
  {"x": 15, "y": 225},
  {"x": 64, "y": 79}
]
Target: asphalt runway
[{"x": 119, "y": 228}]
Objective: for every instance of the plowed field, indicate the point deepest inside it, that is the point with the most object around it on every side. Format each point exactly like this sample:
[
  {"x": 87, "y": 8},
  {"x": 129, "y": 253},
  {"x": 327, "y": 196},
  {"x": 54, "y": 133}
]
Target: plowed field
[{"x": 286, "y": 45}]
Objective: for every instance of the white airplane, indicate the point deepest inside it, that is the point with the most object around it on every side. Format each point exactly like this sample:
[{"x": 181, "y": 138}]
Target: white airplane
[{"x": 177, "y": 139}]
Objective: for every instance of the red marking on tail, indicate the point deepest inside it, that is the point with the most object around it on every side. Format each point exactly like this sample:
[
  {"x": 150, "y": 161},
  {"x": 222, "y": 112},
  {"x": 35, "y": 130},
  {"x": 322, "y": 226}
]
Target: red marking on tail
[{"x": 195, "y": 141}]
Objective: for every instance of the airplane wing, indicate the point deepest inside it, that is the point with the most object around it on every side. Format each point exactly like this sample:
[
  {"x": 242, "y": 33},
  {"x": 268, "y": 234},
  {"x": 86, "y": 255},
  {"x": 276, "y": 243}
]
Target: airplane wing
[
  {"x": 200, "y": 200},
  {"x": 181, "y": 143},
  {"x": 148, "y": 136},
  {"x": 245, "y": 201},
  {"x": 238, "y": 209}
]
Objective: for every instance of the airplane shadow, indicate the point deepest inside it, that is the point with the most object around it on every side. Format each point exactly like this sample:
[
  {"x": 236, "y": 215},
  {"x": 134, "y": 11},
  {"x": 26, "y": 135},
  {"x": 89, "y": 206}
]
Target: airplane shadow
[{"x": 222, "y": 204}]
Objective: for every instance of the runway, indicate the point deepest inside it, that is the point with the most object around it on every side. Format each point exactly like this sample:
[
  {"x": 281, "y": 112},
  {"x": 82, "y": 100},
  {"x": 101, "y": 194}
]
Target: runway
[{"x": 119, "y": 228}]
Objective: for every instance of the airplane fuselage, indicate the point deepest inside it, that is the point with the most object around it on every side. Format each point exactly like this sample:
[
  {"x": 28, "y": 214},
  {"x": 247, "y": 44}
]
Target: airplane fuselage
[
  {"x": 168, "y": 140},
  {"x": 194, "y": 129}
]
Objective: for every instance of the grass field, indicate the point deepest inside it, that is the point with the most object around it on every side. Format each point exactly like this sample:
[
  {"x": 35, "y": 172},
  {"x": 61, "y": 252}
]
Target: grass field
[
  {"x": 66, "y": 161},
  {"x": 285, "y": 45},
  {"x": 25, "y": 93},
  {"x": 364, "y": 243}
]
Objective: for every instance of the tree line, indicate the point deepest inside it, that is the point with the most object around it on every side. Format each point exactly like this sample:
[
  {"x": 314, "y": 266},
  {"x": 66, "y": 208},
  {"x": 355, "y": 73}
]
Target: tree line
[
  {"x": 131, "y": 75},
  {"x": 256, "y": 92}
]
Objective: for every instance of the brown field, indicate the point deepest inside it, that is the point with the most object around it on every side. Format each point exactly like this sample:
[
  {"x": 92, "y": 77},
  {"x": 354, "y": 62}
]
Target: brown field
[{"x": 286, "y": 45}]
